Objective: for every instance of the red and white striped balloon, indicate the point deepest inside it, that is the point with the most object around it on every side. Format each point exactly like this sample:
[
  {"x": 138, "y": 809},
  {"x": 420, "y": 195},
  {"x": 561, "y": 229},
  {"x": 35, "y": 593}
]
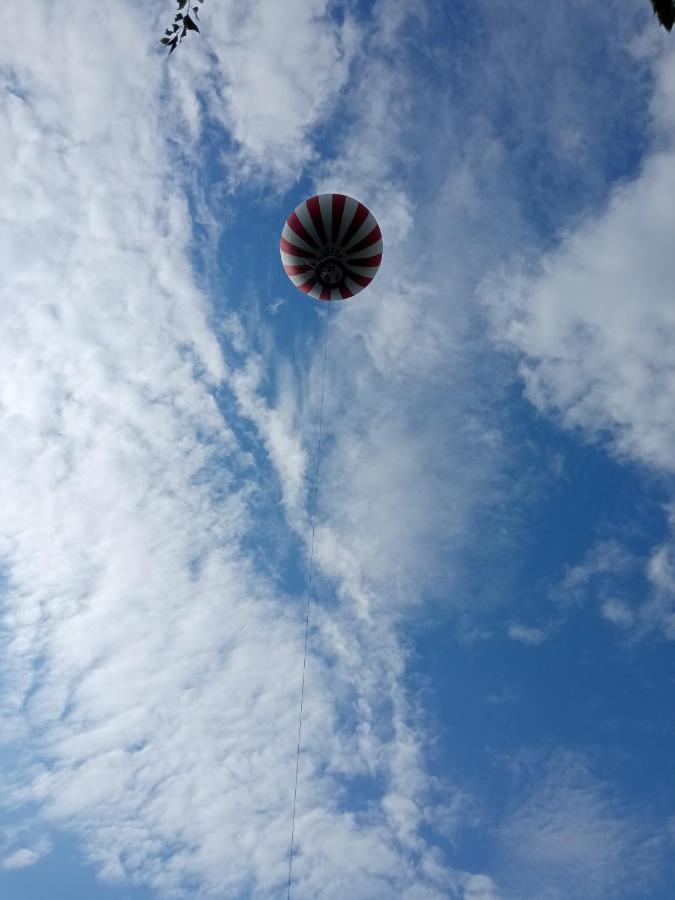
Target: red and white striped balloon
[{"x": 331, "y": 247}]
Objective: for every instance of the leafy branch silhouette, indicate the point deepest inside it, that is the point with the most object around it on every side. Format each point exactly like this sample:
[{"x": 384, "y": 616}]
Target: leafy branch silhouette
[
  {"x": 184, "y": 21},
  {"x": 665, "y": 10}
]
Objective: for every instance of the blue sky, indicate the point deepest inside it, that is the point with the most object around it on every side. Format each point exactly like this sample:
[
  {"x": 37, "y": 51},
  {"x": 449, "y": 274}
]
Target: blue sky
[{"x": 490, "y": 664}]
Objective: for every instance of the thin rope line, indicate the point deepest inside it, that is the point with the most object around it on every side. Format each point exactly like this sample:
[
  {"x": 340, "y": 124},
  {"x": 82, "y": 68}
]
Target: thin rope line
[{"x": 309, "y": 596}]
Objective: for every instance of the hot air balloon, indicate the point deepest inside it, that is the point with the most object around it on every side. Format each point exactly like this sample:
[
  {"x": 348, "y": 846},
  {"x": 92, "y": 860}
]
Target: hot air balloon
[{"x": 331, "y": 247}]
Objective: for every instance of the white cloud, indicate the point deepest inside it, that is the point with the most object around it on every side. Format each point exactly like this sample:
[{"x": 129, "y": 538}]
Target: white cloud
[
  {"x": 154, "y": 659},
  {"x": 647, "y": 582},
  {"x": 570, "y": 837},
  {"x": 658, "y": 611},
  {"x": 270, "y": 94},
  {"x": 618, "y": 613},
  {"x": 20, "y": 859},
  {"x": 604, "y": 564},
  {"x": 504, "y": 696},
  {"x": 593, "y": 319},
  {"x": 480, "y": 887},
  {"x": 526, "y": 634},
  {"x": 153, "y": 652},
  {"x": 21, "y": 846}
]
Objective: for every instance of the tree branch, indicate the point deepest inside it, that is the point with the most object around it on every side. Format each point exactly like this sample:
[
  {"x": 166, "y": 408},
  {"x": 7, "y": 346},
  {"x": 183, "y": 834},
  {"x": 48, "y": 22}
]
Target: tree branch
[
  {"x": 665, "y": 10},
  {"x": 183, "y": 22}
]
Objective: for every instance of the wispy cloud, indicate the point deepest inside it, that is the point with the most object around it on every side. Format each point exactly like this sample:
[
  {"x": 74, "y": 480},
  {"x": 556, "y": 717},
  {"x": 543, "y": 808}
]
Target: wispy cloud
[
  {"x": 480, "y": 887},
  {"x": 593, "y": 318},
  {"x": 635, "y": 593},
  {"x": 658, "y": 611},
  {"x": 271, "y": 96},
  {"x": 568, "y": 836},
  {"x": 153, "y": 659},
  {"x": 603, "y": 567},
  {"x": 20, "y": 859},
  {"x": 505, "y": 696},
  {"x": 21, "y": 847},
  {"x": 618, "y": 613},
  {"x": 152, "y": 644},
  {"x": 527, "y": 634}
]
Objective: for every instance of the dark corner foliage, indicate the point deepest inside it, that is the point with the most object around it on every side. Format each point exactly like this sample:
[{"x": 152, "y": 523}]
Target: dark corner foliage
[
  {"x": 665, "y": 10},
  {"x": 184, "y": 21}
]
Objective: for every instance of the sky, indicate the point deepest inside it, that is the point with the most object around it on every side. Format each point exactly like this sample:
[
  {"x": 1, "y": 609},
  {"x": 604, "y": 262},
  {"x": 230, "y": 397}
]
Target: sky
[{"x": 488, "y": 702}]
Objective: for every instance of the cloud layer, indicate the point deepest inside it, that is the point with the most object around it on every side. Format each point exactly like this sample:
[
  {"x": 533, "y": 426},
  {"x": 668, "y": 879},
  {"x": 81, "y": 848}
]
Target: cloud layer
[
  {"x": 568, "y": 837},
  {"x": 157, "y": 456},
  {"x": 154, "y": 660},
  {"x": 593, "y": 318}
]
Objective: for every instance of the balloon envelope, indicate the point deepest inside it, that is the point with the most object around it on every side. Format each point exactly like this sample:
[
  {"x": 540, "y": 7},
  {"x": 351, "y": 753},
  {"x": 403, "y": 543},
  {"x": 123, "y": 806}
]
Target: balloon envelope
[{"x": 331, "y": 247}]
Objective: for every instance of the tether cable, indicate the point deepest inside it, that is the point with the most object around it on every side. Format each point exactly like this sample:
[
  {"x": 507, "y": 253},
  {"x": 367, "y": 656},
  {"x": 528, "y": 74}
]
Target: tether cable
[{"x": 309, "y": 597}]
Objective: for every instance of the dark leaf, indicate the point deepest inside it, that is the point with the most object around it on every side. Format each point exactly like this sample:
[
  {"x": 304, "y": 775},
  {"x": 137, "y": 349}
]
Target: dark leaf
[
  {"x": 173, "y": 47},
  {"x": 665, "y": 10},
  {"x": 179, "y": 18},
  {"x": 190, "y": 24},
  {"x": 175, "y": 28},
  {"x": 181, "y": 3},
  {"x": 196, "y": 12}
]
